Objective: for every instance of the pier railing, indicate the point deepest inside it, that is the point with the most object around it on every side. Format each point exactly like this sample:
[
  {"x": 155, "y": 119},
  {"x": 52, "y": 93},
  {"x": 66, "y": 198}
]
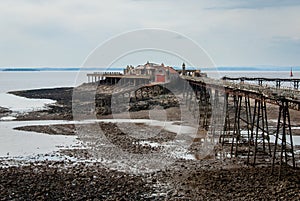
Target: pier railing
[{"x": 287, "y": 83}]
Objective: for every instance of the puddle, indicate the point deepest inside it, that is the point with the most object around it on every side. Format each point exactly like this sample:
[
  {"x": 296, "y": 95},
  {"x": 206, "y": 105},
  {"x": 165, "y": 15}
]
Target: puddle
[{"x": 15, "y": 143}]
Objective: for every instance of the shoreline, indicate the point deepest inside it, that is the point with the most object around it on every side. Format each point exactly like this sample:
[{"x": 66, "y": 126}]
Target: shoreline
[
  {"x": 208, "y": 178},
  {"x": 183, "y": 180}
]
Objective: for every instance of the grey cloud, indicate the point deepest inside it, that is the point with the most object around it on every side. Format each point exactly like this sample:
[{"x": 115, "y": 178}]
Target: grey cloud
[
  {"x": 58, "y": 32},
  {"x": 253, "y": 4}
]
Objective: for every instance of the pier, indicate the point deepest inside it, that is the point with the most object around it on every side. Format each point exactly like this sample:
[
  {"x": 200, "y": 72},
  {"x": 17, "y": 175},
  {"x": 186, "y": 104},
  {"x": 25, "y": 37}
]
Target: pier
[
  {"x": 290, "y": 83},
  {"x": 239, "y": 118},
  {"x": 245, "y": 127}
]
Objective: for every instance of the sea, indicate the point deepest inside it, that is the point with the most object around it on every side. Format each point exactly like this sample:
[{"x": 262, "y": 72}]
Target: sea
[{"x": 26, "y": 145}]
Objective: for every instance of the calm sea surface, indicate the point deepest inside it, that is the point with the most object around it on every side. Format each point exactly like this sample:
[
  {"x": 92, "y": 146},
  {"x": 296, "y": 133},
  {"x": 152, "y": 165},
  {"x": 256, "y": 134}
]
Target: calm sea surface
[
  {"x": 34, "y": 79},
  {"x": 10, "y": 81}
]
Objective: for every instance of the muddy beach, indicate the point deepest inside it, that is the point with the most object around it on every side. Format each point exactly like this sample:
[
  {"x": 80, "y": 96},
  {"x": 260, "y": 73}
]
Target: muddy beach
[
  {"x": 185, "y": 180},
  {"x": 210, "y": 178}
]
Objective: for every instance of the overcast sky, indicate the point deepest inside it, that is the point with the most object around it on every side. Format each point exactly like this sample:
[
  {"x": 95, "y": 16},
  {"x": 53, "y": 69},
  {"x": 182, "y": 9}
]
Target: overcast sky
[{"x": 233, "y": 32}]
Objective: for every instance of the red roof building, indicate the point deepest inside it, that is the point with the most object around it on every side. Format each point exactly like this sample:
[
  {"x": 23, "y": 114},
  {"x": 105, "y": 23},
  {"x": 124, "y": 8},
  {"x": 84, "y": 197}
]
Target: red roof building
[{"x": 158, "y": 73}]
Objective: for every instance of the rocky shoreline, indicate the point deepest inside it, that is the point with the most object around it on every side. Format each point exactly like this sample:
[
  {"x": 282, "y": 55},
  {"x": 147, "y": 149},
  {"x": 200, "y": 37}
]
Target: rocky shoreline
[
  {"x": 206, "y": 179},
  {"x": 184, "y": 180},
  {"x": 65, "y": 98},
  {"x": 62, "y": 110}
]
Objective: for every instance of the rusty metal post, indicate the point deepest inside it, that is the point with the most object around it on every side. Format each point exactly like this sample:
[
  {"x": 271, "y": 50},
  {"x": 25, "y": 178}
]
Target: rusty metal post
[
  {"x": 284, "y": 127},
  {"x": 226, "y": 127}
]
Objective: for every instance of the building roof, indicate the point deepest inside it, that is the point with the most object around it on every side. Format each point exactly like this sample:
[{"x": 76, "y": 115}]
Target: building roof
[
  {"x": 172, "y": 70},
  {"x": 153, "y": 66}
]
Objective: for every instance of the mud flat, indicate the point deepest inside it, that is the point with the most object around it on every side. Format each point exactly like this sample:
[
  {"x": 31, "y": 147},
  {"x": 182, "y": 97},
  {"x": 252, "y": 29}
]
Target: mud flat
[
  {"x": 212, "y": 178},
  {"x": 184, "y": 180},
  {"x": 61, "y": 110}
]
